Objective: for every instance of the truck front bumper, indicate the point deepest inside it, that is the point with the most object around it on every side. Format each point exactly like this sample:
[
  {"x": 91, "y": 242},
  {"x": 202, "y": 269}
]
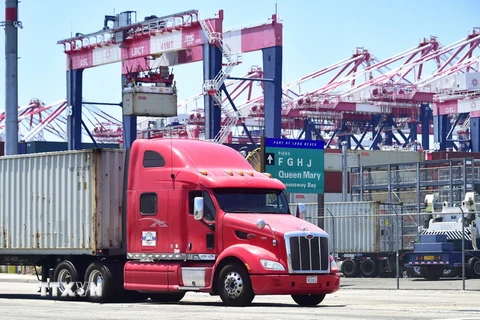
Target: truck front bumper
[{"x": 295, "y": 284}]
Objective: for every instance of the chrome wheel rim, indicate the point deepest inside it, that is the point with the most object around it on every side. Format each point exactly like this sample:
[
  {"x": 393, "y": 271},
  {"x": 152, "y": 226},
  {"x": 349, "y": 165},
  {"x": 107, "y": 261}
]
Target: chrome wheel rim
[{"x": 233, "y": 284}]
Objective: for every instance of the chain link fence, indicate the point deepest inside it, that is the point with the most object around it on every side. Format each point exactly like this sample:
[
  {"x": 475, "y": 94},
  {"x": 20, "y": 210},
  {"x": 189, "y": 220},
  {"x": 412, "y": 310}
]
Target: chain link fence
[{"x": 381, "y": 245}]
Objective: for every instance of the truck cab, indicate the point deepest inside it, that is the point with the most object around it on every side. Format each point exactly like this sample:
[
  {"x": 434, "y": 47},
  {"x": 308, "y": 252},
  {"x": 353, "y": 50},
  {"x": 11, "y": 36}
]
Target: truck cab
[{"x": 199, "y": 218}]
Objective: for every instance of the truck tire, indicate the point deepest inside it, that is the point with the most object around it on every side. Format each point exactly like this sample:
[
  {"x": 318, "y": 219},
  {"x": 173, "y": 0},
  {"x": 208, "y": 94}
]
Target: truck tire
[
  {"x": 66, "y": 273},
  {"x": 308, "y": 300},
  {"x": 368, "y": 268},
  {"x": 432, "y": 272},
  {"x": 473, "y": 268},
  {"x": 102, "y": 274},
  {"x": 350, "y": 268},
  {"x": 414, "y": 272},
  {"x": 167, "y": 297},
  {"x": 234, "y": 286}
]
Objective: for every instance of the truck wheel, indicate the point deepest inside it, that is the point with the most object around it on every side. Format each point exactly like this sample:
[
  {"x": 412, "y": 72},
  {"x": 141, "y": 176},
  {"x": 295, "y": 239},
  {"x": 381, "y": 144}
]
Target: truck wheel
[
  {"x": 473, "y": 268},
  {"x": 66, "y": 273},
  {"x": 308, "y": 300},
  {"x": 432, "y": 273},
  {"x": 102, "y": 275},
  {"x": 414, "y": 272},
  {"x": 167, "y": 297},
  {"x": 234, "y": 286},
  {"x": 350, "y": 268},
  {"x": 368, "y": 268}
]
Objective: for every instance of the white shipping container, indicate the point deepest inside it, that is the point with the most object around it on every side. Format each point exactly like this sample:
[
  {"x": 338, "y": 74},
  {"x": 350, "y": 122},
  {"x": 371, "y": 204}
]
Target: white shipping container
[
  {"x": 356, "y": 158},
  {"x": 61, "y": 202},
  {"x": 335, "y": 197},
  {"x": 360, "y": 227},
  {"x": 379, "y": 157},
  {"x": 333, "y": 161},
  {"x": 155, "y": 102}
]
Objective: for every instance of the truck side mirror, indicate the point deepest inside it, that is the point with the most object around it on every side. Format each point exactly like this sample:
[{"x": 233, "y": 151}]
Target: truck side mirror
[
  {"x": 261, "y": 224},
  {"x": 301, "y": 210},
  {"x": 198, "y": 208}
]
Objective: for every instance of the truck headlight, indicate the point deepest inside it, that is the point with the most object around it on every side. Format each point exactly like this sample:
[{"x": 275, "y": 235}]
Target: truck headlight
[{"x": 272, "y": 265}]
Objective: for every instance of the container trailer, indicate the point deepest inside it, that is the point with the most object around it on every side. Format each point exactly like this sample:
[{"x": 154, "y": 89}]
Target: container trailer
[
  {"x": 163, "y": 218},
  {"x": 367, "y": 236}
]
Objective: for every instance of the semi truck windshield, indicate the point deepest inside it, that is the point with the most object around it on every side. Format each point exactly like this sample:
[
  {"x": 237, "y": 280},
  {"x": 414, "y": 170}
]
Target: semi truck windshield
[{"x": 251, "y": 201}]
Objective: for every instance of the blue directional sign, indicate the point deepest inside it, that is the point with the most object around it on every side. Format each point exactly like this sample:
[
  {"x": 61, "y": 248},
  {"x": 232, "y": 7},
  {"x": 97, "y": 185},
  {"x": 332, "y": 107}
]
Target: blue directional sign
[{"x": 299, "y": 164}]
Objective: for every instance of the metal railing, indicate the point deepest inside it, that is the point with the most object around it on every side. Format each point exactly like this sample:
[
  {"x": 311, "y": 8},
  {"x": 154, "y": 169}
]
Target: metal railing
[{"x": 212, "y": 87}]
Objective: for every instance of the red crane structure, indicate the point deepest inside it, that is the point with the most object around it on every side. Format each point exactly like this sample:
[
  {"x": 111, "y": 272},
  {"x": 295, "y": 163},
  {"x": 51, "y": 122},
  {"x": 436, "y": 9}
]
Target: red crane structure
[
  {"x": 37, "y": 118},
  {"x": 339, "y": 107},
  {"x": 166, "y": 41},
  {"x": 384, "y": 96},
  {"x": 357, "y": 97},
  {"x": 456, "y": 105},
  {"x": 38, "y": 121},
  {"x": 194, "y": 126},
  {"x": 252, "y": 111},
  {"x": 41, "y": 122}
]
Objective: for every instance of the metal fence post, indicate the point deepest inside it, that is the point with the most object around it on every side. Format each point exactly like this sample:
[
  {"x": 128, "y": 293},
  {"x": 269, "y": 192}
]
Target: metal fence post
[
  {"x": 332, "y": 234},
  {"x": 344, "y": 171},
  {"x": 463, "y": 248},
  {"x": 397, "y": 252}
]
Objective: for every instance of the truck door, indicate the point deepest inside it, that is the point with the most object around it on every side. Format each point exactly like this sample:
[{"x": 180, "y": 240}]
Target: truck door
[
  {"x": 152, "y": 224},
  {"x": 201, "y": 234}
]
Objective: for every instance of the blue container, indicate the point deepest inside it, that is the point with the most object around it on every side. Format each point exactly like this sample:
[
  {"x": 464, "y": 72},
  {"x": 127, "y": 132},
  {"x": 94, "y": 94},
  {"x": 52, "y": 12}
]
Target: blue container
[
  {"x": 433, "y": 247},
  {"x": 428, "y": 238}
]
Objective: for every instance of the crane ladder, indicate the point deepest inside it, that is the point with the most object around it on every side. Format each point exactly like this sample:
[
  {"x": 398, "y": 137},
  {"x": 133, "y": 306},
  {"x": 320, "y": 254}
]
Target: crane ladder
[{"x": 212, "y": 87}]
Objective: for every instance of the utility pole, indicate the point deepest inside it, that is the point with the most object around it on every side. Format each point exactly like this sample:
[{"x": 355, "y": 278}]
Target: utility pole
[{"x": 11, "y": 25}]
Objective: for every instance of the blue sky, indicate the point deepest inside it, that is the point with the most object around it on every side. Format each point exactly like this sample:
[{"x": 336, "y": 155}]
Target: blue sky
[{"x": 316, "y": 34}]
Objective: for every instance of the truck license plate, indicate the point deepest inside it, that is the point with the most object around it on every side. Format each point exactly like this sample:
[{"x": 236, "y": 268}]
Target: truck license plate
[
  {"x": 311, "y": 279},
  {"x": 428, "y": 258}
]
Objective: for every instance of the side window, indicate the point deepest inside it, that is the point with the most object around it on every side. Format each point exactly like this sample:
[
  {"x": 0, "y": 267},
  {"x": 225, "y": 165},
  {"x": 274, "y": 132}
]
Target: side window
[
  {"x": 148, "y": 204},
  {"x": 152, "y": 159},
  {"x": 209, "y": 208}
]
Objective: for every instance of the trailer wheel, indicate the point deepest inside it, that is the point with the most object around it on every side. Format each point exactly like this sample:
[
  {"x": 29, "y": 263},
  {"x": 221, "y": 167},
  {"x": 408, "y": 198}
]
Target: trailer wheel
[
  {"x": 414, "y": 272},
  {"x": 473, "y": 267},
  {"x": 65, "y": 273},
  {"x": 369, "y": 268},
  {"x": 167, "y": 297},
  {"x": 308, "y": 300},
  {"x": 102, "y": 275},
  {"x": 234, "y": 285},
  {"x": 350, "y": 268}
]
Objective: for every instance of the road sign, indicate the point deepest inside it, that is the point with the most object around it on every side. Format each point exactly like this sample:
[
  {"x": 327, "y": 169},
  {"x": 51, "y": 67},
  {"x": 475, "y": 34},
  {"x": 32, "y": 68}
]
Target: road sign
[{"x": 299, "y": 164}]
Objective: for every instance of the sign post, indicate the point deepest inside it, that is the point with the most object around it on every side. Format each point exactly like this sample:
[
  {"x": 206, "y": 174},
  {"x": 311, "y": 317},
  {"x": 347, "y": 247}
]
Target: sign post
[{"x": 299, "y": 164}]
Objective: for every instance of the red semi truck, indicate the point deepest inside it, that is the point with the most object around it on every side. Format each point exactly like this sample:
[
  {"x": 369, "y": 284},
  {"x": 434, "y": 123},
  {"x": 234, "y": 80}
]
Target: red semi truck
[{"x": 158, "y": 220}]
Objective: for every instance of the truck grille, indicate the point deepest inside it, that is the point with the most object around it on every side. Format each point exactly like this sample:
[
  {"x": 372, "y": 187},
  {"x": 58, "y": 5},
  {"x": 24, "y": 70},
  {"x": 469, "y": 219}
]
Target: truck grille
[{"x": 307, "y": 252}]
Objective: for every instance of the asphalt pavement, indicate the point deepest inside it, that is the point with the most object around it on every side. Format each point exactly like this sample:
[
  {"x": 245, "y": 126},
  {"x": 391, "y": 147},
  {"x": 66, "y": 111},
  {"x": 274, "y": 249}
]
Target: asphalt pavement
[{"x": 18, "y": 278}]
